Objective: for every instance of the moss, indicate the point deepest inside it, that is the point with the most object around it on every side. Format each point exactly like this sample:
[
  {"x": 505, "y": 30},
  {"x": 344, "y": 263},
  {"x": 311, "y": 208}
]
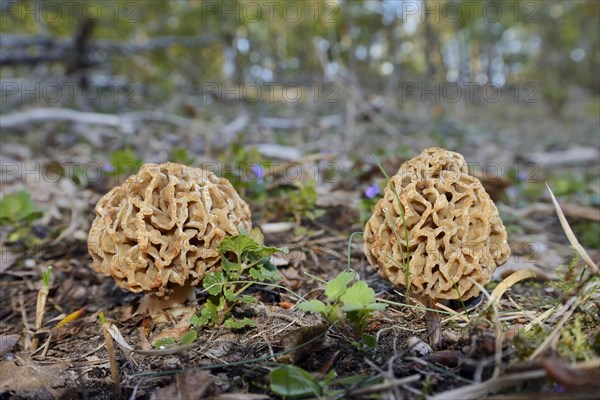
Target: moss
[
  {"x": 574, "y": 343},
  {"x": 529, "y": 339}
]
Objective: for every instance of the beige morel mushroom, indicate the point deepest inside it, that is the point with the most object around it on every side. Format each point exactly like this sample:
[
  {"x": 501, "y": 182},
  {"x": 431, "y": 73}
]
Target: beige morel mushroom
[
  {"x": 455, "y": 236},
  {"x": 160, "y": 230}
]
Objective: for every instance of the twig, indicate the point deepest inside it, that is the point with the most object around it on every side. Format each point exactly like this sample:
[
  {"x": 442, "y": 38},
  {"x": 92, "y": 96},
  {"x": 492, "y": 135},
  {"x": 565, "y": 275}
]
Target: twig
[{"x": 126, "y": 122}]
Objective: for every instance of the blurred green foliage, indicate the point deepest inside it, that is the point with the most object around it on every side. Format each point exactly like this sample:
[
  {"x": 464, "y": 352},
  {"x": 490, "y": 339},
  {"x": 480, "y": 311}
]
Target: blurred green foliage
[
  {"x": 18, "y": 211},
  {"x": 18, "y": 208},
  {"x": 181, "y": 155},
  {"x": 124, "y": 162}
]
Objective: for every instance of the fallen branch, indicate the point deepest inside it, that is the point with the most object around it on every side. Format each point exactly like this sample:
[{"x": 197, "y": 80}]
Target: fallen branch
[{"x": 125, "y": 122}]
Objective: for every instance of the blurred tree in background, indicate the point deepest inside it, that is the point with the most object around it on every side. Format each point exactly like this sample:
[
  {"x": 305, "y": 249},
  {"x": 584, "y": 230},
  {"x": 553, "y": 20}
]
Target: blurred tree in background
[{"x": 180, "y": 46}]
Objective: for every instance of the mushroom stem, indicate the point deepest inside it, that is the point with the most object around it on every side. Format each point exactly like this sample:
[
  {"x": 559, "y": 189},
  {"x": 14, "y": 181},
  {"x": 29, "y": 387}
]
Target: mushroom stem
[
  {"x": 434, "y": 324},
  {"x": 178, "y": 296}
]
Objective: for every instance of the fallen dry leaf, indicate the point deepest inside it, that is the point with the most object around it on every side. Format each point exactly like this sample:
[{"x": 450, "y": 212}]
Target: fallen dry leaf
[
  {"x": 29, "y": 379},
  {"x": 303, "y": 341},
  {"x": 188, "y": 385}
]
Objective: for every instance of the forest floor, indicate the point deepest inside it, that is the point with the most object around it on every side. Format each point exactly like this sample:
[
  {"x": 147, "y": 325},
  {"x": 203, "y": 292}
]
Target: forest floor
[{"x": 541, "y": 339}]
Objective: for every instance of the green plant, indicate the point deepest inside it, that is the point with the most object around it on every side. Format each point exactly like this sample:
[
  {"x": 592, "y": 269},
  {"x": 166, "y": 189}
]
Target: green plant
[
  {"x": 589, "y": 232},
  {"x": 573, "y": 342},
  {"x": 348, "y": 308},
  {"x": 187, "y": 338},
  {"x": 244, "y": 262},
  {"x": 290, "y": 381},
  {"x": 18, "y": 208},
  {"x": 124, "y": 162},
  {"x": 302, "y": 202}
]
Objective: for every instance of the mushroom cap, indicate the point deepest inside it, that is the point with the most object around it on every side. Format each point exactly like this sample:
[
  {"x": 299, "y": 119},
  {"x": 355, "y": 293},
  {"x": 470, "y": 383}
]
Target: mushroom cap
[
  {"x": 162, "y": 227},
  {"x": 455, "y": 235}
]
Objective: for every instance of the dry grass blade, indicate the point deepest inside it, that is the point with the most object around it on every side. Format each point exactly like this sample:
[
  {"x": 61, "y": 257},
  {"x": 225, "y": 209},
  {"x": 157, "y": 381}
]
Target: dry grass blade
[
  {"x": 496, "y": 321},
  {"x": 110, "y": 348},
  {"x": 454, "y": 314},
  {"x": 571, "y": 236},
  {"x": 508, "y": 282},
  {"x": 115, "y": 333}
]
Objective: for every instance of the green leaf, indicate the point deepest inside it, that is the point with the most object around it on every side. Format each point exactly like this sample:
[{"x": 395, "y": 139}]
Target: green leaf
[
  {"x": 267, "y": 251},
  {"x": 230, "y": 267},
  {"x": 213, "y": 282},
  {"x": 291, "y": 381},
  {"x": 263, "y": 274},
  {"x": 164, "y": 342},
  {"x": 18, "y": 207},
  {"x": 248, "y": 299},
  {"x": 314, "y": 306},
  {"x": 359, "y": 380},
  {"x": 209, "y": 314},
  {"x": 230, "y": 296},
  {"x": 337, "y": 286},
  {"x": 238, "y": 245},
  {"x": 238, "y": 324},
  {"x": 189, "y": 337},
  {"x": 331, "y": 375},
  {"x": 125, "y": 162},
  {"x": 46, "y": 274},
  {"x": 370, "y": 341},
  {"x": 195, "y": 320},
  {"x": 357, "y": 297},
  {"x": 257, "y": 236}
]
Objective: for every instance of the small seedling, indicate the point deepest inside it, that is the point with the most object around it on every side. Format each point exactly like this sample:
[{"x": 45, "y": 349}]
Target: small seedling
[
  {"x": 302, "y": 202},
  {"x": 188, "y": 338},
  {"x": 124, "y": 162},
  {"x": 348, "y": 308},
  {"x": 41, "y": 303},
  {"x": 244, "y": 261},
  {"x": 110, "y": 348}
]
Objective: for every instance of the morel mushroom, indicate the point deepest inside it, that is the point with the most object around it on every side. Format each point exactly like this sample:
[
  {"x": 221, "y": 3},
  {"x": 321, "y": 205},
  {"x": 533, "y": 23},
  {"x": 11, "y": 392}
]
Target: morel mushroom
[
  {"x": 159, "y": 232},
  {"x": 455, "y": 235}
]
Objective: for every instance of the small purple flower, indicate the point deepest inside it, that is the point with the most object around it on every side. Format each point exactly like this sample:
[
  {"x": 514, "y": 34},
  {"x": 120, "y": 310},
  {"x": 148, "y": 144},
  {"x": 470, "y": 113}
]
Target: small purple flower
[
  {"x": 372, "y": 191},
  {"x": 260, "y": 174},
  {"x": 108, "y": 167},
  {"x": 559, "y": 388}
]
